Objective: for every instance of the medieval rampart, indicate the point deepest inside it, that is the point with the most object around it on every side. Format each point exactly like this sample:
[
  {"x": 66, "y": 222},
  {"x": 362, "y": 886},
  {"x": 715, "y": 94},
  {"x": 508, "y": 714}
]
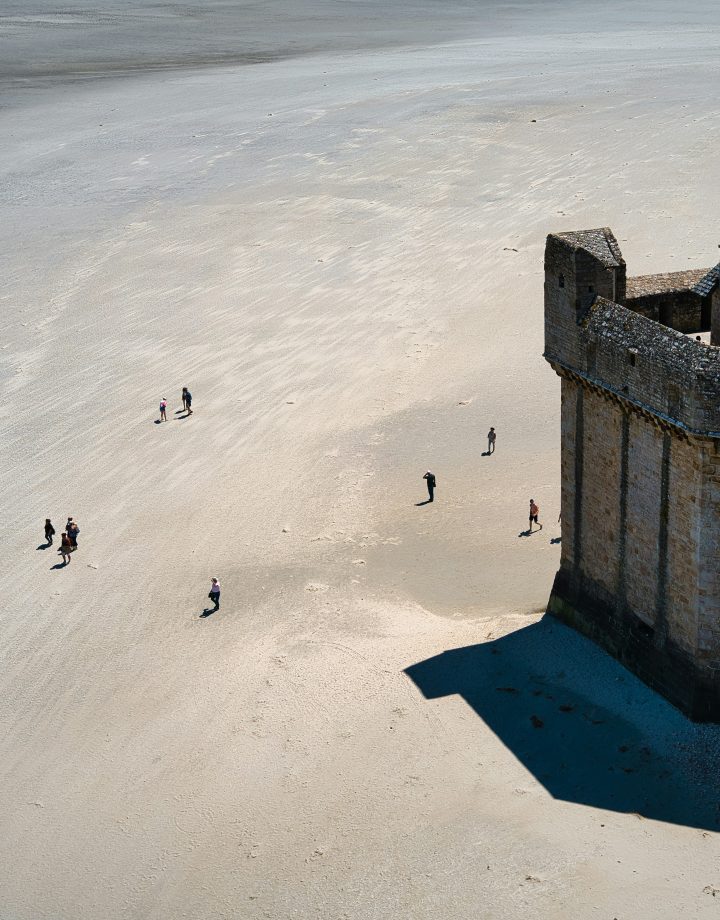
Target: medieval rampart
[{"x": 640, "y": 465}]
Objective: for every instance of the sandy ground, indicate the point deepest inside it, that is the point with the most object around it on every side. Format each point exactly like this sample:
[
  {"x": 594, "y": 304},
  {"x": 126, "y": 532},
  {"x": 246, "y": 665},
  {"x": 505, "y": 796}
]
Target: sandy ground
[{"x": 340, "y": 252}]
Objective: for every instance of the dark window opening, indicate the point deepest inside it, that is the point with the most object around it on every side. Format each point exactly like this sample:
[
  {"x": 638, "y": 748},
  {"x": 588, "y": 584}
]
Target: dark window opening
[
  {"x": 591, "y": 289},
  {"x": 561, "y": 281},
  {"x": 706, "y": 315}
]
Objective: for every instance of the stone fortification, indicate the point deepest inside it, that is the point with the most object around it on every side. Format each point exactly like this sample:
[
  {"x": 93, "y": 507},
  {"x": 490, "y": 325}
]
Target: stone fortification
[{"x": 639, "y": 570}]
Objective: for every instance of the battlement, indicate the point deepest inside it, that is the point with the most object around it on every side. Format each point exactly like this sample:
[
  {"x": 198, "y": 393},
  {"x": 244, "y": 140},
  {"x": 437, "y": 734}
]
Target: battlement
[
  {"x": 638, "y": 343},
  {"x": 640, "y": 462}
]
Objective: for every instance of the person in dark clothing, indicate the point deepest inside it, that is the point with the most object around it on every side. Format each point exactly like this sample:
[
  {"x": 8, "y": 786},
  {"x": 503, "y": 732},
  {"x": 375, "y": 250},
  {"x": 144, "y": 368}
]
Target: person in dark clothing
[
  {"x": 431, "y": 482},
  {"x": 214, "y": 594},
  {"x": 65, "y": 548},
  {"x": 49, "y": 531},
  {"x": 72, "y": 530},
  {"x": 188, "y": 401},
  {"x": 492, "y": 437}
]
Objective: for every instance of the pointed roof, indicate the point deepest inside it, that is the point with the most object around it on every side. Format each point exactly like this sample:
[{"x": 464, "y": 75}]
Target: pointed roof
[
  {"x": 705, "y": 285},
  {"x": 600, "y": 243}
]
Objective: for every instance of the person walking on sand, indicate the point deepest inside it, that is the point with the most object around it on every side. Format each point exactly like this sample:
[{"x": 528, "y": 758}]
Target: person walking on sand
[
  {"x": 49, "y": 531},
  {"x": 72, "y": 530},
  {"x": 184, "y": 399},
  {"x": 431, "y": 483},
  {"x": 214, "y": 594},
  {"x": 163, "y": 407},
  {"x": 491, "y": 441},
  {"x": 188, "y": 400},
  {"x": 534, "y": 511},
  {"x": 65, "y": 548}
]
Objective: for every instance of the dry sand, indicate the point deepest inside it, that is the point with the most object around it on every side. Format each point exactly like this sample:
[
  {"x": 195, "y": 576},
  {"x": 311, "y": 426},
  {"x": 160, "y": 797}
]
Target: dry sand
[{"x": 340, "y": 252}]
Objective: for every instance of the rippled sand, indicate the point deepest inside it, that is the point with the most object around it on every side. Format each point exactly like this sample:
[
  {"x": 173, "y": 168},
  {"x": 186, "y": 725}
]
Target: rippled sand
[{"x": 339, "y": 251}]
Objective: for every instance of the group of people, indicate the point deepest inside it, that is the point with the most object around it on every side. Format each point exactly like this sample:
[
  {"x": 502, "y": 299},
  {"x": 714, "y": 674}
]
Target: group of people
[
  {"x": 186, "y": 401},
  {"x": 68, "y": 538},
  {"x": 431, "y": 482}
]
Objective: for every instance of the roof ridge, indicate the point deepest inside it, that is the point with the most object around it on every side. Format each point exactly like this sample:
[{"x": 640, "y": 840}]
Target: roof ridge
[{"x": 705, "y": 285}]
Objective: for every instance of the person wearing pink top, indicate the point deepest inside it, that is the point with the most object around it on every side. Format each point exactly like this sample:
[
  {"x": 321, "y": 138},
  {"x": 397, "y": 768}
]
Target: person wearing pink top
[
  {"x": 163, "y": 407},
  {"x": 214, "y": 594}
]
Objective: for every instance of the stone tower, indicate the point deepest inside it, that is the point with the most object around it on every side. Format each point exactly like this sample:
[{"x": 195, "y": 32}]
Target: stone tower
[{"x": 640, "y": 564}]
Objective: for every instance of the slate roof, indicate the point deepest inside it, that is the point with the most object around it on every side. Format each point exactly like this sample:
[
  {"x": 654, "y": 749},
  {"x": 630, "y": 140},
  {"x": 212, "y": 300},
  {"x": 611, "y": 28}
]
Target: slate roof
[
  {"x": 680, "y": 356},
  {"x": 665, "y": 283},
  {"x": 705, "y": 285},
  {"x": 599, "y": 242}
]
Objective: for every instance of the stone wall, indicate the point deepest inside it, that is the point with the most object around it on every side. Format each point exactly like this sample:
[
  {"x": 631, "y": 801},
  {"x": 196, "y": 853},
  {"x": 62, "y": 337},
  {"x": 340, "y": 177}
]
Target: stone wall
[
  {"x": 644, "y": 475},
  {"x": 681, "y": 310},
  {"x": 640, "y": 465},
  {"x": 709, "y": 557},
  {"x": 670, "y": 299},
  {"x": 570, "y": 476},
  {"x": 631, "y": 527},
  {"x": 574, "y": 278},
  {"x": 685, "y": 485},
  {"x": 665, "y": 371},
  {"x": 715, "y": 314},
  {"x": 599, "y": 500},
  {"x": 637, "y": 574}
]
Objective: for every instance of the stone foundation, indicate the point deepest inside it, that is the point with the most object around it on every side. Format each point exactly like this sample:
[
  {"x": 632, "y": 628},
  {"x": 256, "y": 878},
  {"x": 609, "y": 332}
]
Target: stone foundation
[{"x": 659, "y": 663}]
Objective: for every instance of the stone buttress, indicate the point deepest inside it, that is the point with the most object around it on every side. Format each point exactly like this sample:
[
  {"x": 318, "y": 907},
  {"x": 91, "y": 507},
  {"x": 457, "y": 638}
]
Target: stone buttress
[{"x": 640, "y": 463}]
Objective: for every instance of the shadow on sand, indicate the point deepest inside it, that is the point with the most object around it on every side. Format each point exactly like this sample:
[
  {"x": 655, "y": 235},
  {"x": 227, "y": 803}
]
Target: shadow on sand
[{"x": 586, "y": 728}]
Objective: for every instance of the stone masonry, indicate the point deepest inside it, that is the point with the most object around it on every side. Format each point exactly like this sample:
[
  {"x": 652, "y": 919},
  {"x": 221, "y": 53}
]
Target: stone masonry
[{"x": 640, "y": 464}]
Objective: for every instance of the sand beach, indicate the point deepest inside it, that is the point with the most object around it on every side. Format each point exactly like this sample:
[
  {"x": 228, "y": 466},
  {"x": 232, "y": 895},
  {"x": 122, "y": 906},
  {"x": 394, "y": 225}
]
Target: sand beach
[{"x": 328, "y": 222}]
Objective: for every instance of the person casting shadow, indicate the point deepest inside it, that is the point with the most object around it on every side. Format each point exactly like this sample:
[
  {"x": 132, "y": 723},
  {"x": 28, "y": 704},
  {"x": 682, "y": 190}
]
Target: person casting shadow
[
  {"x": 66, "y": 547},
  {"x": 214, "y": 596},
  {"x": 431, "y": 483},
  {"x": 533, "y": 516},
  {"x": 49, "y": 532}
]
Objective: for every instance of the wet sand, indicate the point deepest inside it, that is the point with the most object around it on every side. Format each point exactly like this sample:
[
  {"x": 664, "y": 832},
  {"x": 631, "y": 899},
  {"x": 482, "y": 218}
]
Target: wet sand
[{"x": 339, "y": 251}]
